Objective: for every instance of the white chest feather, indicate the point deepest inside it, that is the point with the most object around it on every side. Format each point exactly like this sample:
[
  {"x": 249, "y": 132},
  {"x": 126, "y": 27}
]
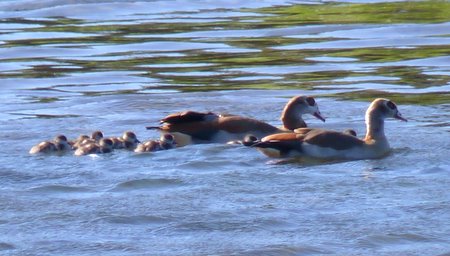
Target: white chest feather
[{"x": 357, "y": 152}]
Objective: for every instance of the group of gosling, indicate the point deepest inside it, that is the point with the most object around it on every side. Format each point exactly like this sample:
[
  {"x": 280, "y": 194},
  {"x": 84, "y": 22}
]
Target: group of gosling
[
  {"x": 293, "y": 138},
  {"x": 97, "y": 144}
]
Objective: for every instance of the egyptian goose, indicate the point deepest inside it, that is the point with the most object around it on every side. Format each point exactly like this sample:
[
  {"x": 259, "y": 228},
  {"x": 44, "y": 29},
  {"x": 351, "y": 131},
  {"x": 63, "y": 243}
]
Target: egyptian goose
[
  {"x": 59, "y": 144},
  {"x": 105, "y": 145},
  {"x": 83, "y": 139},
  {"x": 167, "y": 141},
  {"x": 196, "y": 127},
  {"x": 127, "y": 141},
  {"x": 78, "y": 141},
  {"x": 318, "y": 143}
]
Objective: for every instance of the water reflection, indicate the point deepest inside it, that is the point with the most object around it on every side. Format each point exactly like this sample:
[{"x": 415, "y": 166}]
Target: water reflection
[{"x": 228, "y": 47}]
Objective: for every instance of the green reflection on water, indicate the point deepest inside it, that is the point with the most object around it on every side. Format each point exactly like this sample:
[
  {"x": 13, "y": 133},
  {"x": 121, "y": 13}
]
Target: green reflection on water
[
  {"x": 403, "y": 98},
  {"x": 378, "y": 13},
  {"x": 222, "y": 71}
]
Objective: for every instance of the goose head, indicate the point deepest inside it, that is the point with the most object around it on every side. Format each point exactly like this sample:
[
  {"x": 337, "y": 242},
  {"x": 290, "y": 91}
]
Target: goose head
[
  {"x": 130, "y": 136},
  {"x": 167, "y": 141},
  {"x": 97, "y": 135},
  {"x": 384, "y": 108},
  {"x": 295, "y": 108},
  {"x": 106, "y": 145},
  {"x": 61, "y": 143}
]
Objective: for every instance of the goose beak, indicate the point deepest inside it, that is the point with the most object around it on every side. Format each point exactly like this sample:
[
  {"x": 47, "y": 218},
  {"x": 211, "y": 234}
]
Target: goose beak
[
  {"x": 319, "y": 116},
  {"x": 399, "y": 117}
]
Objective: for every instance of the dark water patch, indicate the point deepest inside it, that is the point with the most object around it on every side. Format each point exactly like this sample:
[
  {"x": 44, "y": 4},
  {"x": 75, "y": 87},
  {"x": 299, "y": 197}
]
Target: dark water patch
[
  {"x": 134, "y": 220},
  {"x": 287, "y": 250},
  {"x": 440, "y": 169},
  {"x": 308, "y": 162},
  {"x": 60, "y": 189},
  {"x": 44, "y": 116},
  {"x": 393, "y": 239},
  {"x": 215, "y": 225},
  {"x": 138, "y": 184},
  {"x": 74, "y": 245},
  {"x": 58, "y": 216},
  {"x": 103, "y": 89},
  {"x": 13, "y": 176},
  {"x": 6, "y": 246},
  {"x": 44, "y": 99}
]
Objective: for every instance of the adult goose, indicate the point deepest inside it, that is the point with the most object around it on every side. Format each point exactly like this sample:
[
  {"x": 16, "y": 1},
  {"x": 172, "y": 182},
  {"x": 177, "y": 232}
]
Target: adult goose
[
  {"x": 196, "y": 127},
  {"x": 319, "y": 143}
]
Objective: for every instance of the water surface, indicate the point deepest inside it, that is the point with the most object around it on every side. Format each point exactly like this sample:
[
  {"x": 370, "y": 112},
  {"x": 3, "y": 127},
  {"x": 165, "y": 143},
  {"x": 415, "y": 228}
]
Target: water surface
[{"x": 74, "y": 67}]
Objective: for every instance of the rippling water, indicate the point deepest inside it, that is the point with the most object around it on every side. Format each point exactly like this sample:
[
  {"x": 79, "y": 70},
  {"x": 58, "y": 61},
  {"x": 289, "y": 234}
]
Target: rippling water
[{"x": 76, "y": 66}]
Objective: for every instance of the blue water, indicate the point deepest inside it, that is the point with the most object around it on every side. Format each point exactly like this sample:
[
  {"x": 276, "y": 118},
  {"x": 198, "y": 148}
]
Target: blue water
[{"x": 123, "y": 65}]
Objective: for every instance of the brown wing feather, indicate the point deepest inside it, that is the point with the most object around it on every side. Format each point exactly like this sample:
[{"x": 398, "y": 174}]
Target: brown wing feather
[
  {"x": 239, "y": 124},
  {"x": 288, "y": 136},
  {"x": 283, "y": 143},
  {"x": 188, "y": 116},
  {"x": 205, "y": 125},
  {"x": 201, "y": 130},
  {"x": 332, "y": 139}
]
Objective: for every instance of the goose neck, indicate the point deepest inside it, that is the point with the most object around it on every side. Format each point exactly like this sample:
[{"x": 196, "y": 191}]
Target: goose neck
[
  {"x": 375, "y": 126},
  {"x": 292, "y": 119}
]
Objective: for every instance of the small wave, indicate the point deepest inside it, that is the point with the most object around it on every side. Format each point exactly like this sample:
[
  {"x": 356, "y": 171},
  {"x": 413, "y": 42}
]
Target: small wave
[
  {"x": 393, "y": 239},
  {"x": 306, "y": 161},
  {"x": 59, "y": 189},
  {"x": 287, "y": 250},
  {"x": 442, "y": 169},
  {"x": 134, "y": 220},
  {"x": 146, "y": 184},
  {"x": 43, "y": 116}
]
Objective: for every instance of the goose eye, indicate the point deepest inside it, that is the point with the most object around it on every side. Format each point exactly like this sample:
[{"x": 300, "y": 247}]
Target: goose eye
[
  {"x": 391, "y": 105},
  {"x": 310, "y": 101}
]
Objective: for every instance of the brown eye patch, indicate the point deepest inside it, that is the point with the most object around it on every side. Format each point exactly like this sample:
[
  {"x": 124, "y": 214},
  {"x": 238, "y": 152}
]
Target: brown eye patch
[
  {"x": 391, "y": 105},
  {"x": 310, "y": 101}
]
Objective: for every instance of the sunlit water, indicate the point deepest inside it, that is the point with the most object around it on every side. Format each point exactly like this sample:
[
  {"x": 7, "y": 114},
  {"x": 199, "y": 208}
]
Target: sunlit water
[{"x": 73, "y": 68}]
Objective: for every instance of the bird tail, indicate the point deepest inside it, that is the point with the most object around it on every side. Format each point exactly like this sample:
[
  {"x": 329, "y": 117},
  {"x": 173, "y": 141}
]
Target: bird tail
[{"x": 153, "y": 128}]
